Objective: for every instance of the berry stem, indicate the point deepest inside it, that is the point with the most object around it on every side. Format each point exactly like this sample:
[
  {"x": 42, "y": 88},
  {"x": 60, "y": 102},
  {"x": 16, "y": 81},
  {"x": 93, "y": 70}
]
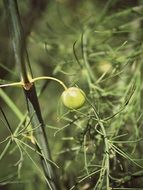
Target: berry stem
[{"x": 50, "y": 78}]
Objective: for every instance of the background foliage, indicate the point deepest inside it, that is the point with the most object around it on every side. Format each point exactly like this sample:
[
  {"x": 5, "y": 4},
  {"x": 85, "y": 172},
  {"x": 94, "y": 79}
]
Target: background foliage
[{"x": 96, "y": 45}]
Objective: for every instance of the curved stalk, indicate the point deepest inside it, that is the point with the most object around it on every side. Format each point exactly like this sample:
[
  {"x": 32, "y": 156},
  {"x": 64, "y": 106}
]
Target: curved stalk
[{"x": 50, "y": 78}]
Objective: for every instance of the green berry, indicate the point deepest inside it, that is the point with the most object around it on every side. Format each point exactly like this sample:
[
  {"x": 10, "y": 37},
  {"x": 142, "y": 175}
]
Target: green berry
[{"x": 73, "y": 98}]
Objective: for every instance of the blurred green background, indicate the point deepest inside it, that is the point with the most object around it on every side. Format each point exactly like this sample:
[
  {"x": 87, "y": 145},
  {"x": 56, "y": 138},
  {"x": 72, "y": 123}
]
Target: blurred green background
[{"x": 93, "y": 44}]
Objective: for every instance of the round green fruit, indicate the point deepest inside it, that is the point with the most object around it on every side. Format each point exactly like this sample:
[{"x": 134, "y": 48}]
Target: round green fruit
[{"x": 73, "y": 98}]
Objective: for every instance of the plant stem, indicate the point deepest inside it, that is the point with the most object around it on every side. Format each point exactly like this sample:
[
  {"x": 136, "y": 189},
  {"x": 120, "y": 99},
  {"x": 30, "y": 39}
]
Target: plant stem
[
  {"x": 107, "y": 161},
  {"x": 17, "y": 36},
  {"x": 11, "y": 84},
  {"x": 90, "y": 76},
  {"x": 50, "y": 78},
  {"x": 33, "y": 106},
  {"x": 11, "y": 104},
  {"x": 21, "y": 58},
  {"x": 32, "y": 81}
]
